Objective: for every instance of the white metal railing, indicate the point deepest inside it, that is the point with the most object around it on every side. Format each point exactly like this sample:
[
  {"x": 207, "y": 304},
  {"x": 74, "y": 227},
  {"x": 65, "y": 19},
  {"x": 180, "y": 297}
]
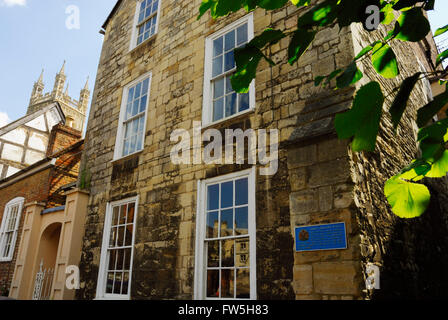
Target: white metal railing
[{"x": 43, "y": 283}]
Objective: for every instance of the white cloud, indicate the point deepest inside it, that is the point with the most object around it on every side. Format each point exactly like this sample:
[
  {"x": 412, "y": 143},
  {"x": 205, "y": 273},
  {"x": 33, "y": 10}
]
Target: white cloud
[
  {"x": 12, "y": 3},
  {"x": 4, "y": 119}
]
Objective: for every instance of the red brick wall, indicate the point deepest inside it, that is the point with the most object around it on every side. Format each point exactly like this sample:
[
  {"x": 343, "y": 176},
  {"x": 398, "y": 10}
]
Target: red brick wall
[
  {"x": 32, "y": 188},
  {"x": 65, "y": 171},
  {"x": 62, "y": 137}
]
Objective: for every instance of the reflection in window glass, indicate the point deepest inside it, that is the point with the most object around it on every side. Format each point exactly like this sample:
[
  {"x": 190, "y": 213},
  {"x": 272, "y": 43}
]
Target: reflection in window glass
[
  {"x": 119, "y": 252},
  {"x": 227, "y": 239}
]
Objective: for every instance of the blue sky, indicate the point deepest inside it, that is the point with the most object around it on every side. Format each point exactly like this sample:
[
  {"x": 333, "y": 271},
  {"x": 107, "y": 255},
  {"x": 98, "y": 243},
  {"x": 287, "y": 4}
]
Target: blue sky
[{"x": 33, "y": 35}]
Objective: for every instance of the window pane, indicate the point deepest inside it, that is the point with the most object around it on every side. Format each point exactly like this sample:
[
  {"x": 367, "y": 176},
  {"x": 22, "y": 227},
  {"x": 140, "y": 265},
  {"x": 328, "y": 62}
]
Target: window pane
[
  {"x": 155, "y": 6},
  {"x": 113, "y": 237},
  {"x": 132, "y": 145},
  {"x": 217, "y": 47},
  {"x": 143, "y": 101},
  {"x": 227, "y": 223},
  {"x": 128, "y": 240},
  {"x": 127, "y": 261},
  {"x": 212, "y": 224},
  {"x": 213, "y": 283},
  {"x": 123, "y": 211},
  {"x": 117, "y": 284},
  {"x": 242, "y": 35},
  {"x": 126, "y": 148},
  {"x": 218, "y": 109},
  {"x": 227, "y": 194},
  {"x": 241, "y": 190},
  {"x": 217, "y": 66},
  {"x": 229, "y": 41},
  {"x": 244, "y": 102},
  {"x": 227, "y": 253},
  {"x": 229, "y": 61},
  {"x": 242, "y": 252},
  {"x": 241, "y": 221},
  {"x": 110, "y": 282},
  {"x": 213, "y": 254},
  {"x": 227, "y": 283},
  {"x": 138, "y": 90},
  {"x": 120, "y": 237},
  {"x": 243, "y": 284},
  {"x": 218, "y": 88},
  {"x": 213, "y": 197},
  {"x": 145, "y": 86},
  {"x": 228, "y": 85},
  {"x": 125, "y": 283},
  {"x": 130, "y": 213},
  {"x": 230, "y": 104},
  {"x": 112, "y": 259},
  {"x": 115, "y": 214},
  {"x": 120, "y": 259}
]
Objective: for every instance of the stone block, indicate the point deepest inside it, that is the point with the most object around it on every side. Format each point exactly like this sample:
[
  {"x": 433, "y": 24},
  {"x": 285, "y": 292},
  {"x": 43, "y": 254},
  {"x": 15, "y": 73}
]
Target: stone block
[
  {"x": 303, "y": 279},
  {"x": 336, "y": 278},
  {"x": 305, "y": 201}
]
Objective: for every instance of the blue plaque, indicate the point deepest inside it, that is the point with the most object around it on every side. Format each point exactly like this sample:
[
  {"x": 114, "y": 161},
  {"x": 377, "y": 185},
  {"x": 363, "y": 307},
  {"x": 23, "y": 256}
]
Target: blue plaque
[{"x": 321, "y": 237}]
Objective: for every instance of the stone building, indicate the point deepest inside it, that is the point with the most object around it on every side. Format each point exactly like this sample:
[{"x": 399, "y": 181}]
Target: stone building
[
  {"x": 160, "y": 230},
  {"x": 74, "y": 110}
]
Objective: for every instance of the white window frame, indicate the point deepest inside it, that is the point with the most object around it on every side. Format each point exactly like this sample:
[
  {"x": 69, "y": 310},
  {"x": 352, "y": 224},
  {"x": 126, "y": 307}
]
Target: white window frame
[
  {"x": 207, "y": 105},
  {"x": 6, "y": 213},
  {"x": 101, "y": 283},
  {"x": 200, "y": 282},
  {"x": 134, "y": 35},
  {"x": 118, "y": 151}
]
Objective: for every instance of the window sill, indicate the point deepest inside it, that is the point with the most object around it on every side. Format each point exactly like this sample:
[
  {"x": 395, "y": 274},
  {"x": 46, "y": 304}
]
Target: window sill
[
  {"x": 127, "y": 157},
  {"x": 5, "y": 260},
  {"x": 141, "y": 45},
  {"x": 234, "y": 117}
]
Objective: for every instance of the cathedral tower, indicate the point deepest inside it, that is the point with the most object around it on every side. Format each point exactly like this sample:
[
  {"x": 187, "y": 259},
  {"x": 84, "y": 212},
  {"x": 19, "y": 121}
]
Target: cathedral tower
[{"x": 75, "y": 111}]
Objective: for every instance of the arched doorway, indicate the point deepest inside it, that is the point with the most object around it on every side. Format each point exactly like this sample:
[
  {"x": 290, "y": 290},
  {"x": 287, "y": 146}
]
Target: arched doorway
[{"x": 46, "y": 261}]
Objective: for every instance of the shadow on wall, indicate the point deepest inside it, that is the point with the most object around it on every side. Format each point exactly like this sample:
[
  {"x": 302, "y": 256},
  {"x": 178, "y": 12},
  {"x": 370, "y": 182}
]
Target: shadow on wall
[{"x": 415, "y": 259}]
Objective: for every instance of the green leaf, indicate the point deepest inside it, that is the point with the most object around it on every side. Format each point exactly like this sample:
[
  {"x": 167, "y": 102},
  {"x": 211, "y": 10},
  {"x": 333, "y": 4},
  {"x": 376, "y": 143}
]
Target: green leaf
[
  {"x": 426, "y": 113},
  {"x": 320, "y": 15},
  {"x": 350, "y": 76},
  {"x": 404, "y": 4},
  {"x": 384, "y": 61},
  {"x": 269, "y": 36},
  {"x": 389, "y": 15},
  {"x": 415, "y": 171},
  {"x": 442, "y": 56},
  {"x": 247, "y": 60},
  {"x": 363, "y": 52},
  {"x": 350, "y": 11},
  {"x": 300, "y": 3},
  {"x": 363, "y": 119},
  {"x": 401, "y": 100},
  {"x": 205, "y": 6},
  {"x": 430, "y": 5},
  {"x": 407, "y": 199},
  {"x": 318, "y": 80},
  {"x": 413, "y": 25},
  {"x": 439, "y": 167},
  {"x": 271, "y": 4},
  {"x": 300, "y": 42},
  {"x": 441, "y": 31}
]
